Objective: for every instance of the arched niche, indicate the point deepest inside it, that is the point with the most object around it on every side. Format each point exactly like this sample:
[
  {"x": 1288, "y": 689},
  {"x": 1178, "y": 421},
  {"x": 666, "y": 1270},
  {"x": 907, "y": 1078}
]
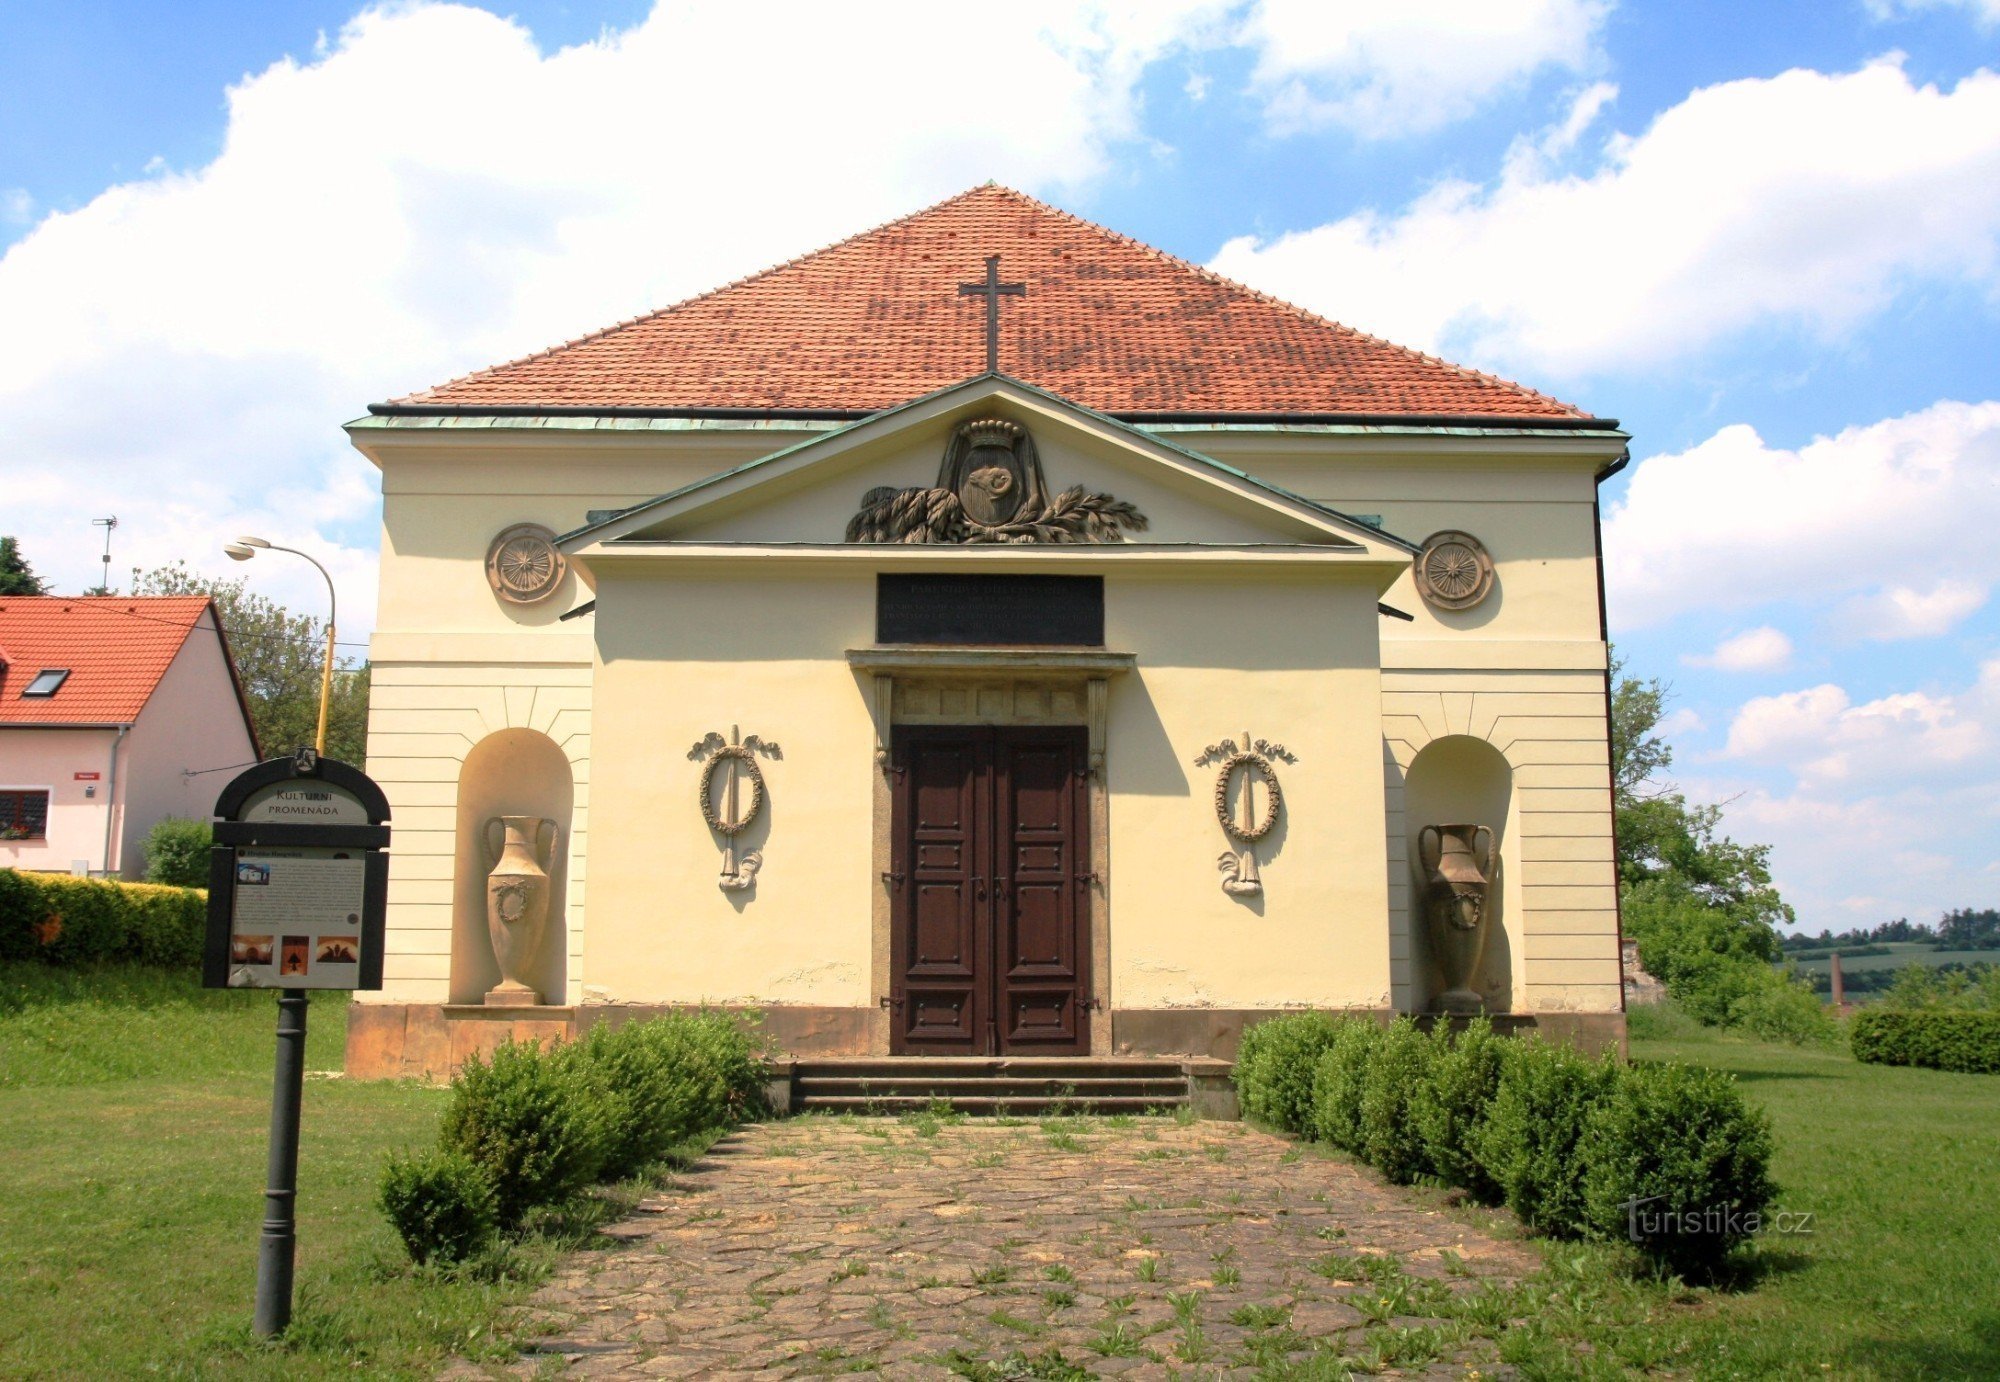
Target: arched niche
[
  {"x": 514, "y": 772},
  {"x": 1462, "y": 779}
]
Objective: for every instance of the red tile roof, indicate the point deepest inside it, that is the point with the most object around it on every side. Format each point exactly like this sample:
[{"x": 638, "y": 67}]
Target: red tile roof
[
  {"x": 116, "y": 647},
  {"x": 877, "y": 320}
]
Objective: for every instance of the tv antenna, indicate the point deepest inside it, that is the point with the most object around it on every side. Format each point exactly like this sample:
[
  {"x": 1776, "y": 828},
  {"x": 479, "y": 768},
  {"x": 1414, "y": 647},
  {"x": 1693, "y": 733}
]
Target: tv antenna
[{"x": 107, "y": 524}]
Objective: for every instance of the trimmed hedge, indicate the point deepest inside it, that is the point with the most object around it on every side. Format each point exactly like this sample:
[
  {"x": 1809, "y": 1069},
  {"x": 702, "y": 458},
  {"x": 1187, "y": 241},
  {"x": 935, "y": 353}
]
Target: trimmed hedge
[
  {"x": 1281, "y": 1056},
  {"x": 533, "y": 1126},
  {"x": 75, "y": 921},
  {"x": 1936, "y": 1038},
  {"x": 1669, "y": 1158}
]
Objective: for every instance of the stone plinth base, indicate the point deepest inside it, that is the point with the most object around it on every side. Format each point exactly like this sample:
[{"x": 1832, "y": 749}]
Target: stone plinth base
[{"x": 428, "y": 1041}]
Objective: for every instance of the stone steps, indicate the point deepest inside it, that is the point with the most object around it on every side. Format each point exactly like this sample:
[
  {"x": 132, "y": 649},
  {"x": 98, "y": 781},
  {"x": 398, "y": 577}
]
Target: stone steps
[{"x": 1003, "y": 1085}]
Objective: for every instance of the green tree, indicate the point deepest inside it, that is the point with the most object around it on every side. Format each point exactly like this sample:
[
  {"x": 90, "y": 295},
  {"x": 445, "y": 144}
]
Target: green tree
[
  {"x": 1661, "y": 836},
  {"x": 278, "y": 657},
  {"x": 1701, "y": 906},
  {"x": 16, "y": 576}
]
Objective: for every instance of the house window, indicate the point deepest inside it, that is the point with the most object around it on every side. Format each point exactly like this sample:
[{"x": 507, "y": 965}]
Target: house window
[
  {"x": 23, "y": 815},
  {"x": 46, "y": 681}
]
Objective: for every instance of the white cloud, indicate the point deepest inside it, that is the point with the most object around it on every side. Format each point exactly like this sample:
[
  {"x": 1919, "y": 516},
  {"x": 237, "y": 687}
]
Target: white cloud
[
  {"x": 1804, "y": 200},
  {"x": 1824, "y": 739},
  {"x": 1985, "y": 12},
  {"x": 1762, "y": 649},
  {"x": 1405, "y": 68},
  {"x": 1681, "y": 722},
  {"x": 431, "y": 193},
  {"x": 1905, "y": 504},
  {"x": 1900, "y": 612},
  {"x": 1874, "y": 810}
]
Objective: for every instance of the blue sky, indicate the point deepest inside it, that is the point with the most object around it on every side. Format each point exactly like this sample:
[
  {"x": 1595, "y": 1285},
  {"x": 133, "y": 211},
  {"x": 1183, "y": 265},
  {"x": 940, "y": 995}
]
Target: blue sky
[{"x": 1766, "y": 237}]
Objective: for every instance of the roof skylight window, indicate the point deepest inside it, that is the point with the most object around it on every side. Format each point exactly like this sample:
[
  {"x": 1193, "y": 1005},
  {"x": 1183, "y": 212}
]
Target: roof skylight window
[{"x": 46, "y": 681}]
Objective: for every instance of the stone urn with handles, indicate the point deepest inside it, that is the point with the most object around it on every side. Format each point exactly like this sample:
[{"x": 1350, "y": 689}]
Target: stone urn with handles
[
  {"x": 1458, "y": 877},
  {"x": 519, "y": 853}
]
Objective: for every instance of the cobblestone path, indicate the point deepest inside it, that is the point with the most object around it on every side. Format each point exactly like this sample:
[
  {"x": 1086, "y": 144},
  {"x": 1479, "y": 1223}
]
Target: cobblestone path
[{"x": 923, "y": 1246}]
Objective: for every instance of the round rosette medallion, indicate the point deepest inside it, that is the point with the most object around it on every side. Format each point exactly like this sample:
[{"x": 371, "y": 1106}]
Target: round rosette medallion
[
  {"x": 523, "y": 565},
  {"x": 1453, "y": 570}
]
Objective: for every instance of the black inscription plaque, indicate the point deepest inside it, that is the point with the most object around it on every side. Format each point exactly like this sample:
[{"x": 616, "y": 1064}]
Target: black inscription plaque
[{"x": 989, "y": 611}]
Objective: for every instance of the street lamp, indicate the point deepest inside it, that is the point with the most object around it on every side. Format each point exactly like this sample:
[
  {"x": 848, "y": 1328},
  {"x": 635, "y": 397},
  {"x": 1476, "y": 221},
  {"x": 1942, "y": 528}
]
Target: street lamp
[{"x": 245, "y": 548}]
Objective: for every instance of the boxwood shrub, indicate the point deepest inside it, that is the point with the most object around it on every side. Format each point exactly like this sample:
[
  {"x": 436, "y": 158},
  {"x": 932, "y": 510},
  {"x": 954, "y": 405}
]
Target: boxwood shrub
[
  {"x": 532, "y": 1126},
  {"x": 74, "y": 921},
  {"x": 1936, "y": 1038},
  {"x": 1530, "y": 1143},
  {"x": 1676, "y": 1162},
  {"x": 1574, "y": 1146},
  {"x": 1447, "y": 1107},
  {"x": 1340, "y": 1081},
  {"x": 1391, "y": 1139},
  {"x": 441, "y": 1203},
  {"x": 1274, "y": 1065},
  {"x": 535, "y": 1121}
]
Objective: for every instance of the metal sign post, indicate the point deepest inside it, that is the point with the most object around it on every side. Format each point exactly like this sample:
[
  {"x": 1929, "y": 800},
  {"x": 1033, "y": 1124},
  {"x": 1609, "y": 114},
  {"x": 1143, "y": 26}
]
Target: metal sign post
[{"x": 298, "y": 883}]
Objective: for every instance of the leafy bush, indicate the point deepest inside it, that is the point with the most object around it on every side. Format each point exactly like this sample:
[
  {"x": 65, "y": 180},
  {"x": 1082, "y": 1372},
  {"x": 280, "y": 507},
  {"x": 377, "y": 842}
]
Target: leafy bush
[
  {"x": 1935, "y": 1038},
  {"x": 442, "y": 1203},
  {"x": 1673, "y": 1159},
  {"x": 1391, "y": 1140},
  {"x": 71, "y": 921},
  {"x": 177, "y": 852},
  {"x": 1274, "y": 1067},
  {"x": 531, "y": 1126},
  {"x": 1529, "y": 1145},
  {"x": 1973, "y": 988},
  {"x": 1340, "y": 1082},
  {"x": 1784, "y": 1008},
  {"x": 666, "y": 1079},
  {"x": 1449, "y": 1106},
  {"x": 536, "y": 1122},
  {"x": 1664, "y": 1020}
]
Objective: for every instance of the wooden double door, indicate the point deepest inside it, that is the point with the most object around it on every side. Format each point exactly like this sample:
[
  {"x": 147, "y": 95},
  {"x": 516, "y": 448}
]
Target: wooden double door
[{"x": 990, "y": 879}]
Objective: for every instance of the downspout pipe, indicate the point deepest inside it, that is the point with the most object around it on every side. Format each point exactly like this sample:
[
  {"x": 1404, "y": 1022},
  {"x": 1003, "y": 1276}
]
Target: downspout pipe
[{"x": 111, "y": 800}]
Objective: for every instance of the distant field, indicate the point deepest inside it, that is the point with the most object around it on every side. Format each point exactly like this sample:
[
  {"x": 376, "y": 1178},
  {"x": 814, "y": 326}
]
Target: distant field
[{"x": 1902, "y": 953}]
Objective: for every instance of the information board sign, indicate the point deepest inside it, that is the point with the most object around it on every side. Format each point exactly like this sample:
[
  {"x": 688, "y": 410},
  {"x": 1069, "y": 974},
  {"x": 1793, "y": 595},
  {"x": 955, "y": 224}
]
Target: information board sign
[{"x": 298, "y": 880}]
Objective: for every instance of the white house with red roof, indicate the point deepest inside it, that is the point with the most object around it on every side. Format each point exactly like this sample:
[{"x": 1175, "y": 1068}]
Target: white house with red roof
[
  {"x": 988, "y": 636},
  {"x": 115, "y": 711}
]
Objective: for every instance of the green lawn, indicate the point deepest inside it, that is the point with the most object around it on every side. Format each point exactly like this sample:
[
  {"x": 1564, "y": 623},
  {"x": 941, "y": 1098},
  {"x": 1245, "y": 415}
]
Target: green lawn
[
  {"x": 133, "y": 1115},
  {"x": 1900, "y": 1276},
  {"x": 133, "y": 1111}
]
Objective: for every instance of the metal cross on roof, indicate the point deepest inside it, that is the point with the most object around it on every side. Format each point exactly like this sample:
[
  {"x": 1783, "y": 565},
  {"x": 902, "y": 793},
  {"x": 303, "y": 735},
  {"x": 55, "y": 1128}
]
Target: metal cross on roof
[{"x": 993, "y": 290}]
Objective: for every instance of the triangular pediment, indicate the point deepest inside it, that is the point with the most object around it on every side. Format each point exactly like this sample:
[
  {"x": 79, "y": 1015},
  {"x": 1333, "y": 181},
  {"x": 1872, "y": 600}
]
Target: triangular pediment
[{"x": 928, "y": 473}]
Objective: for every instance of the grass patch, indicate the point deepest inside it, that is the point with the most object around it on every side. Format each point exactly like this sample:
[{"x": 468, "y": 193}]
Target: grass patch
[
  {"x": 133, "y": 1122},
  {"x": 1896, "y": 1277}
]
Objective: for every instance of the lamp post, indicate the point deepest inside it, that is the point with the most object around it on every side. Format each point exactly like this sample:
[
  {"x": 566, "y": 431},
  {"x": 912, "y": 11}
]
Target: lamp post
[{"x": 245, "y": 548}]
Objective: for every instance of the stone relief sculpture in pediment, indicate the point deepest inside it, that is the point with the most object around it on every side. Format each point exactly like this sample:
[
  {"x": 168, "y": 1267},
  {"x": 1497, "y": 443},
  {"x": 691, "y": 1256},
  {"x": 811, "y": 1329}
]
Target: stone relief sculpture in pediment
[{"x": 990, "y": 489}]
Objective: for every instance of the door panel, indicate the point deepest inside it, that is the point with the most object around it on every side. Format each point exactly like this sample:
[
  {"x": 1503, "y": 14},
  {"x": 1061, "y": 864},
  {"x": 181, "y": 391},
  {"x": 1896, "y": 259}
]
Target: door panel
[
  {"x": 990, "y": 914},
  {"x": 940, "y": 931},
  {"x": 1039, "y": 843}
]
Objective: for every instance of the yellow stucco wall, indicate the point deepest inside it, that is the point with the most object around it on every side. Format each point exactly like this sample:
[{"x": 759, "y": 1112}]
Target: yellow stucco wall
[
  {"x": 1283, "y": 659},
  {"x": 683, "y": 654}
]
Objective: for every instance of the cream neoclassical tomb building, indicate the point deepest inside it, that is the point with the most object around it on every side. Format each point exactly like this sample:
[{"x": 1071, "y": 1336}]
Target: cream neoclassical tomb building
[{"x": 946, "y": 669}]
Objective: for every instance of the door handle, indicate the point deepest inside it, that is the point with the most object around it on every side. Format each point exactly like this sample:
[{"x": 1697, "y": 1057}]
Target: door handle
[{"x": 979, "y": 889}]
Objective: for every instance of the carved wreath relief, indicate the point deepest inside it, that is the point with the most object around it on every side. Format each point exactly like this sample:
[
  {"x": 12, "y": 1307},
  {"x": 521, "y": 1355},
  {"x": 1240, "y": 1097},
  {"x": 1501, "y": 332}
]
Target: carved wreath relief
[
  {"x": 734, "y": 760},
  {"x": 523, "y": 564},
  {"x": 990, "y": 489},
  {"x": 1244, "y": 773},
  {"x": 1453, "y": 570}
]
